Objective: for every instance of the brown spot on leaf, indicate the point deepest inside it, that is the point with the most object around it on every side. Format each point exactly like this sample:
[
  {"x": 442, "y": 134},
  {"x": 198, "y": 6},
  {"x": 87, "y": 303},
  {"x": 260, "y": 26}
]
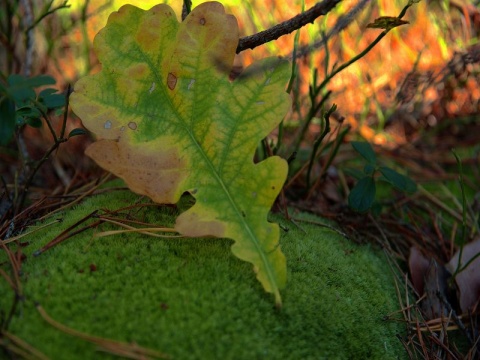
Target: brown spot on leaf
[
  {"x": 132, "y": 125},
  {"x": 202, "y": 21},
  {"x": 171, "y": 81}
]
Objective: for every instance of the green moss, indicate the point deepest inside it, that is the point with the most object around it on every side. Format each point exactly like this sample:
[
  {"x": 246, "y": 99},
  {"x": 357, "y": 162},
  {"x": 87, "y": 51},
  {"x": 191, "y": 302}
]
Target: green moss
[{"x": 192, "y": 299}]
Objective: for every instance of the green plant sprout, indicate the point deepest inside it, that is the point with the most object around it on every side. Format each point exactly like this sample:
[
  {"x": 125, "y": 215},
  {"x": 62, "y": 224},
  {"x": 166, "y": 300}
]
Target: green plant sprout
[
  {"x": 362, "y": 195},
  {"x": 20, "y": 106},
  {"x": 386, "y": 23},
  {"x": 463, "y": 240}
]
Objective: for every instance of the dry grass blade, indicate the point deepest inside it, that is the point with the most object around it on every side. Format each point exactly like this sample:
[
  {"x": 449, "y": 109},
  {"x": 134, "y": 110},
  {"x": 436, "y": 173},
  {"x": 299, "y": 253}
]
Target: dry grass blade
[
  {"x": 132, "y": 351},
  {"x": 146, "y": 231},
  {"x": 64, "y": 235},
  {"x": 19, "y": 347},
  {"x": 7, "y": 279},
  {"x": 15, "y": 265},
  {"x": 88, "y": 192},
  {"x": 130, "y": 229},
  {"x": 27, "y": 233},
  {"x": 435, "y": 201}
]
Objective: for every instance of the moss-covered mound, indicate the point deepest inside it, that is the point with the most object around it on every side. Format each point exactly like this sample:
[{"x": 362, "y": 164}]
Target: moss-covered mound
[{"x": 192, "y": 299}]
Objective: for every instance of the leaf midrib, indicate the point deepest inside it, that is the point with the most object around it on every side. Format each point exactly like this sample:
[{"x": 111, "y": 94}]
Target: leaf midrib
[{"x": 213, "y": 171}]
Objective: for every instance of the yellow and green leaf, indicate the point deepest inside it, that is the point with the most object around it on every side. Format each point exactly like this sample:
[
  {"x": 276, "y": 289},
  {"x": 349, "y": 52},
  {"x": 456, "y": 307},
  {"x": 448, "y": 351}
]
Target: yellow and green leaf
[
  {"x": 169, "y": 121},
  {"x": 387, "y": 23}
]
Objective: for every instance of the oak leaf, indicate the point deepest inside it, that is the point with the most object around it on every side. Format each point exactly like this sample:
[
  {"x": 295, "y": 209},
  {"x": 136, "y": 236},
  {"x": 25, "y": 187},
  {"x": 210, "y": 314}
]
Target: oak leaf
[{"x": 169, "y": 121}]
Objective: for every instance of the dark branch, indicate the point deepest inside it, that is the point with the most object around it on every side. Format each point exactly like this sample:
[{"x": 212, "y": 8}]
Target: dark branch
[
  {"x": 186, "y": 9},
  {"x": 286, "y": 27}
]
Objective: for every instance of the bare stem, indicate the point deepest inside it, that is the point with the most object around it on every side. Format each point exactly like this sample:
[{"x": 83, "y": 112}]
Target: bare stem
[
  {"x": 186, "y": 9},
  {"x": 56, "y": 144},
  {"x": 286, "y": 27},
  {"x": 48, "y": 12},
  {"x": 27, "y": 23}
]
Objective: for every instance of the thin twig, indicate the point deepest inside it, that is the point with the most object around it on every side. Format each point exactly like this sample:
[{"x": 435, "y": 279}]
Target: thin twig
[
  {"x": 437, "y": 202},
  {"x": 29, "y": 45},
  {"x": 88, "y": 192},
  {"x": 21, "y": 347},
  {"x": 286, "y": 27},
  {"x": 67, "y": 234},
  {"x": 57, "y": 141},
  {"x": 65, "y": 113},
  {"x": 186, "y": 9},
  {"x": 343, "y": 22},
  {"x": 318, "y": 141},
  {"x": 48, "y": 12},
  {"x": 132, "y": 351}
]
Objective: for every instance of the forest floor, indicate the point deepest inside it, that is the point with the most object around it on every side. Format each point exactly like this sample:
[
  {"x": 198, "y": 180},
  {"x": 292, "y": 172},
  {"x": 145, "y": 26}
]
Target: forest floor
[{"x": 415, "y": 98}]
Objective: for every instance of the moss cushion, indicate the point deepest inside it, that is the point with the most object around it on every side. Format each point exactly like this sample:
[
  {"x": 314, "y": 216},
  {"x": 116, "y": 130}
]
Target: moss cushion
[{"x": 192, "y": 299}]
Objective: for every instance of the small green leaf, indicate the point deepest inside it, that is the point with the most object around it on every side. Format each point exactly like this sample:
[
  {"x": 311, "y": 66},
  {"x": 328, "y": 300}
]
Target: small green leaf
[
  {"x": 400, "y": 181},
  {"x": 22, "y": 89},
  {"x": 369, "y": 169},
  {"x": 362, "y": 195},
  {"x": 387, "y": 22},
  {"x": 366, "y": 150},
  {"x": 355, "y": 173},
  {"x": 7, "y": 123},
  {"x": 47, "y": 92},
  {"x": 40, "y": 80},
  {"x": 41, "y": 107},
  {"x": 33, "y": 82},
  {"x": 34, "y": 122},
  {"x": 22, "y": 95},
  {"x": 77, "y": 132},
  {"x": 51, "y": 99},
  {"x": 15, "y": 80},
  {"x": 29, "y": 112}
]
